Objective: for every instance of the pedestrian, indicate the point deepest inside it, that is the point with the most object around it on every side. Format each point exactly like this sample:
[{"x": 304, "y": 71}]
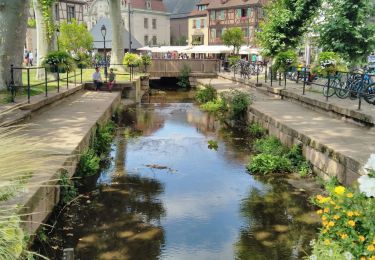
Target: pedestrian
[
  {"x": 97, "y": 79},
  {"x": 31, "y": 58},
  {"x": 111, "y": 79},
  {"x": 26, "y": 56}
]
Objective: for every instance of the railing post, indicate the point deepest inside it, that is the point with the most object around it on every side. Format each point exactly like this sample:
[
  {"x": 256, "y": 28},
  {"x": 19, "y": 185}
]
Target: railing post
[
  {"x": 75, "y": 78},
  {"x": 67, "y": 79},
  {"x": 46, "y": 81},
  {"x": 360, "y": 90},
  {"x": 257, "y": 73},
  {"x": 58, "y": 78},
  {"x": 279, "y": 78},
  {"x": 304, "y": 82},
  {"x": 284, "y": 79},
  {"x": 265, "y": 75},
  {"x": 28, "y": 85},
  {"x": 297, "y": 76},
  {"x": 12, "y": 87},
  {"x": 81, "y": 75},
  {"x": 271, "y": 75},
  {"x": 328, "y": 87}
]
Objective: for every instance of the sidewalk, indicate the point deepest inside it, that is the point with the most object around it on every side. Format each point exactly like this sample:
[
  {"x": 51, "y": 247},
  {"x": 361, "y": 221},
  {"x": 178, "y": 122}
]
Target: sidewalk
[
  {"x": 341, "y": 148},
  {"x": 313, "y": 97}
]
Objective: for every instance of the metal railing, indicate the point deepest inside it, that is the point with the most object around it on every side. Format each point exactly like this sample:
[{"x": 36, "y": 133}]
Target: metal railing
[{"x": 14, "y": 88}]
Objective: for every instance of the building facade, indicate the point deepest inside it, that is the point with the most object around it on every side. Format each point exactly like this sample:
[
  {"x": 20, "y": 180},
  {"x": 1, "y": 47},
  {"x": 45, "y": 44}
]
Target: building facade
[
  {"x": 198, "y": 24},
  {"x": 149, "y": 20},
  {"x": 225, "y": 14}
]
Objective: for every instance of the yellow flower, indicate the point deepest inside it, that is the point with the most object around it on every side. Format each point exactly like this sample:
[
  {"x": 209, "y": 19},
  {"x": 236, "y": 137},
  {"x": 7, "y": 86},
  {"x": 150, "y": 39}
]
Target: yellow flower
[
  {"x": 319, "y": 197},
  {"x": 325, "y": 231},
  {"x": 363, "y": 258},
  {"x": 327, "y": 242},
  {"x": 371, "y": 248},
  {"x": 336, "y": 217},
  {"x": 349, "y": 195},
  {"x": 320, "y": 212},
  {"x": 357, "y": 213},
  {"x": 337, "y": 207},
  {"x": 326, "y": 210},
  {"x": 331, "y": 224},
  {"x": 372, "y": 257},
  {"x": 362, "y": 238},
  {"x": 373, "y": 241},
  {"x": 351, "y": 223},
  {"x": 350, "y": 214},
  {"x": 332, "y": 202},
  {"x": 344, "y": 236},
  {"x": 324, "y": 218},
  {"x": 325, "y": 223},
  {"x": 340, "y": 190}
]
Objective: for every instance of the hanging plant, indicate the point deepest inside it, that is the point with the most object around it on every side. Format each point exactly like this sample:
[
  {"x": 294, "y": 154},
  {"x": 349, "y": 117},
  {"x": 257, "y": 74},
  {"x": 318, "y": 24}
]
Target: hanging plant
[{"x": 46, "y": 6}]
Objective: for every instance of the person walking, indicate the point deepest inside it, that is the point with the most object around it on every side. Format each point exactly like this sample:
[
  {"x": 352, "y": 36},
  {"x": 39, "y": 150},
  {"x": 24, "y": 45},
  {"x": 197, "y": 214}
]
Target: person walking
[
  {"x": 97, "y": 79},
  {"x": 111, "y": 79},
  {"x": 31, "y": 58}
]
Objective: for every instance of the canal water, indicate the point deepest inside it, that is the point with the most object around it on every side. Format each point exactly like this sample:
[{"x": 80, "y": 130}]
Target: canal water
[{"x": 166, "y": 195}]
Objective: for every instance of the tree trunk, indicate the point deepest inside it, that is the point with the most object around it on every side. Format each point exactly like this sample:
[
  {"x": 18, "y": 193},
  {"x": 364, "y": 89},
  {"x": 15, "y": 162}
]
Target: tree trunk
[
  {"x": 13, "y": 23},
  {"x": 44, "y": 43},
  {"x": 118, "y": 31}
]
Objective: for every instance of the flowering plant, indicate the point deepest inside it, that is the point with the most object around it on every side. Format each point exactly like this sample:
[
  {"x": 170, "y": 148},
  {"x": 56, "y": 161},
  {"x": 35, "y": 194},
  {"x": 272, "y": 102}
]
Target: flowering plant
[{"x": 347, "y": 222}]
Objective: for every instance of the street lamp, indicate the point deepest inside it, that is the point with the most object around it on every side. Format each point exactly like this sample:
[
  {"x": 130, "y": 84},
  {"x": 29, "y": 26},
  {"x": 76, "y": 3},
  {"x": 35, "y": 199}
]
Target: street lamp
[
  {"x": 103, "y": 30},
  {"x": 57, "y": 35}
]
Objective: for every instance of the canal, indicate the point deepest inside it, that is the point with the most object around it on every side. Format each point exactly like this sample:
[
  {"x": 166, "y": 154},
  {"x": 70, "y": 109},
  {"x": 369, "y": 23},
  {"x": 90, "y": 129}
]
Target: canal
[{"x": 166, "y": 195}]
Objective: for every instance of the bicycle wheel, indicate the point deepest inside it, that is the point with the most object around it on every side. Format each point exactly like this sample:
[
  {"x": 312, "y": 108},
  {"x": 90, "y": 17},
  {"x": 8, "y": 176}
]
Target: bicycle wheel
[
  {"x": 369, "y": 95},
  {"x": 328, "y": 92},
  {"x": 354, "y": 89},
  {"x": 343, "y": 90}
]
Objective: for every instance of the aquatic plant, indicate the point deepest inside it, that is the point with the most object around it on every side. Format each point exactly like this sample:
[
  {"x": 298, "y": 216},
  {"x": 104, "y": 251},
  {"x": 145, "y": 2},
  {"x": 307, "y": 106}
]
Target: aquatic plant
[
  {"x": 214, "y": 106},
  {"x": 103, "y": 138},
  {"x": 206, "y": 94},
  {"x": 236, "y": 103},
  {"x": 89, "y": 164},
  {"x": 212, "y": 145},
  {"x": 268, "y": 163},
  {"x": 67, "y": 189},
  {"x": 183, "y": 79},
  {"x": 256, "y": 130}
]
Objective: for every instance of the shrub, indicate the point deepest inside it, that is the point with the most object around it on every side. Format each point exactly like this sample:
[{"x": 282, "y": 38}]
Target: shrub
[
  {"x": 213, "y": 106},
  {"x": 88, "y": 164},
  {"x": 103, "y": 138},
  {"x": 347, "y": 222},
  {"x": 284, "y": 60},
  {"x": 183, "y": 80},
  {"x": 83, "y": 60},
  {"x": 299, "y": 163},
  {"x": 328, "y": 63},
  {"x": 256, "y": 130},
  {"x": 236, "y": 103},
  {"x": 60, "y": 59},
  {"x": 145, "y": 61},
  {"x": 206, "y": 94},
  {"x": 67, "y": 189},
  {"x": 131, "y": 60},
  {"x": 270, "y": 145},
  {"x": 233, "y": 60},
  {"x": 268, "y": 163}
]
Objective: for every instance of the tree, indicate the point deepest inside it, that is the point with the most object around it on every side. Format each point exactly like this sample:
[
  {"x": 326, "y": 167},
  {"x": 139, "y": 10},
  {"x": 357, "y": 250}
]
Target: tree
[
  {"x": 13, "y": 23},
  {"x": 75, "y": 37},
  {"x": 233, "y": 37},
  {"x": 285, "y": 24},
  {"x": 346, "y": 29},
  {"x": 45, "y": 31},
  {"x": 117, "y": 32}
]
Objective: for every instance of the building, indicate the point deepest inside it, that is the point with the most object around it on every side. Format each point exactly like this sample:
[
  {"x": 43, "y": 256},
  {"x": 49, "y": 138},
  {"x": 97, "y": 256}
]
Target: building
[
  {"x": 198, "y": 24},
  {"x": 149, "y": 20},
  {"x": 180, "y": 11},
  {"x": 224, "y": 14}
]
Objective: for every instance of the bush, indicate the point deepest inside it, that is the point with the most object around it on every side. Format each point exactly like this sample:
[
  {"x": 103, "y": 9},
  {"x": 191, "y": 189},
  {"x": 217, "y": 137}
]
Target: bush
[
  {"x": 83, "y": 60},
  {"x": 183, "y": 80},
  {"x": 284, "y": 60},
  {"x": 145, "y": 61},
  {"x": 206, "y": 94},
  {"x": 268, "y": 163},
  {"x": 67, "y": 189},
  {"x": 103, "y": 138},
  {"x": 348, "y": 222},
  {"x": 131, "y": 60},
  {"x": 233, "y": 60},
  {"x": 88, "y": 164},
  {"x": 236, "y": 103},
  {"x": 256, "y": 130},
  {"x": 213, "y": 106},
  {"x": 270, "y": 145},
  {"x": 329, "y": 63},
  {"x": 60, "y": 59}
]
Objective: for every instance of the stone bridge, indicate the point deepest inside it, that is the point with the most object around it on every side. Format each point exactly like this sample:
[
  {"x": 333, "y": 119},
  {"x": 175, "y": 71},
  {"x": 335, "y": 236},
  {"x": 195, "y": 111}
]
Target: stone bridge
[{"x": 200, "y": 68}]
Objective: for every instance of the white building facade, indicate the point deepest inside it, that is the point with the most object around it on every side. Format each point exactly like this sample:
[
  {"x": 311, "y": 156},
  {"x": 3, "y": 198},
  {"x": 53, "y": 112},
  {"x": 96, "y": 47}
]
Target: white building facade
[{"x": 149, "y": 20}]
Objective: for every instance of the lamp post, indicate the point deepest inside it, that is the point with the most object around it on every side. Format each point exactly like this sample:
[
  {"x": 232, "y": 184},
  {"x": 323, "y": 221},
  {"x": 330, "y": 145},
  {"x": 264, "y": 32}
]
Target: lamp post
[
  {"x": 57, "y": 36},
  {"x": 104, "y": 33}
]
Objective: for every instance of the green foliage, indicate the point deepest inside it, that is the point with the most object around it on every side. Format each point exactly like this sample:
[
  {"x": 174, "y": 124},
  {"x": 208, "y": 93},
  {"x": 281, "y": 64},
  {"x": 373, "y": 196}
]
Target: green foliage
[
  {"x": 183, "y": 81},
  {"x": 286, "y": 22},
  {"x": 46, "y": 8},
  {"x": 298, "y": 161},
  {"x": 75, "y": 37},
  {"x": 333, "y": 251},
  {"x": 268, "y": 163},
  {"x": 233, "y": 37},
  {"x": 256, "y": 130},
  {"x": 31, "y": 23},
  {"x": 212, "y": 145},
  {"x": 233, "y": 60},
  {"x": 348, "y": 222},
  {"x": 213, "y": 106},
  {"x": 82, "y": 59},
  {"x": 236, "y": 103},
  {"x": 12, "y": 237},
  {"x": 270, "y": 145},
  {"x": 284, "y": 60},
  {"x": 67, "y": 189},
  {"x": 206, "y": 94},
  {"x": 103, "y": 138},
  {"x": 347, "y": 29},
  {"x": 88, "y": 164},
  {"x": 328, "y": 63},
  {"x": 61, "y": 59},
  {"x": 145, "y": 61},
  {"x": 131, "y": 60}
]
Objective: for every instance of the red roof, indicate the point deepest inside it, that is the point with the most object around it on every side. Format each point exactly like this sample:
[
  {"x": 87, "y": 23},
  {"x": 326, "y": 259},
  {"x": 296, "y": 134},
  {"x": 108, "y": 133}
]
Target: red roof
[
  {"x": 222, "y": 4},
  {"x": 156, "y": 5}
]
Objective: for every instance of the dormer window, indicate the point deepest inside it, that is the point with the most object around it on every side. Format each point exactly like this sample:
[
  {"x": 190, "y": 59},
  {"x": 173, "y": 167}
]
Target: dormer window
[
  {"x": 202, "y": 7},
  {"x": 148, "y": 4}
]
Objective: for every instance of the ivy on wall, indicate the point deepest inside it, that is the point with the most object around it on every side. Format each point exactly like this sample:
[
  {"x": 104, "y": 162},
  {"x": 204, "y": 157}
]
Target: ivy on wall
[{"x": 46, "y": 6}]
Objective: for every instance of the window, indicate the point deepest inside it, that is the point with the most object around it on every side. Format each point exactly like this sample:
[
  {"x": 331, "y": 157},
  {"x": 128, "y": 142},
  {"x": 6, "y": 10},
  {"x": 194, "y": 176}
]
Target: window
[
  {"x": 202, "y": 7},
  {"x": 145, "y": 22},
  {"x": 245, "y": 32},
  {"x": 202, "y": 23},
  {"x": 154, "y": 40},
  {"x": 213, "y": 33},
  {"x": 249, "y": 12},
  {"x": 153, "y": 23},
  {"x": 194, "y": 24},
  {"x": 146, "y": 40},
  {"x": 198, "y": 24},
  {"x": 70, "y": 12},
  {"x": 57, "y": 12},
  {"x": 213, "y": 15},
  {"x": 223, "y": 31},
  {"x": 238, "y": 13},
  {"x": 197, "y": 40},
  {"x": 222, "y": 15}
]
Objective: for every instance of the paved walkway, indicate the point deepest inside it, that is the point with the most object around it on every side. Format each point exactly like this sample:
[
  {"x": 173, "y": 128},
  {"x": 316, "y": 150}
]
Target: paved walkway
[{"x": 348, "y": 139}]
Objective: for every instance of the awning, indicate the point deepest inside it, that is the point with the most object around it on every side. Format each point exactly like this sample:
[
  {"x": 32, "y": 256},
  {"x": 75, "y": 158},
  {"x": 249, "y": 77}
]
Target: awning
[
  {"x": 209, "y": 49},
  {"x": 145, "y": 48},
  {"x": 165, "y": 49},
  {"x": 245, "y": 50}
]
